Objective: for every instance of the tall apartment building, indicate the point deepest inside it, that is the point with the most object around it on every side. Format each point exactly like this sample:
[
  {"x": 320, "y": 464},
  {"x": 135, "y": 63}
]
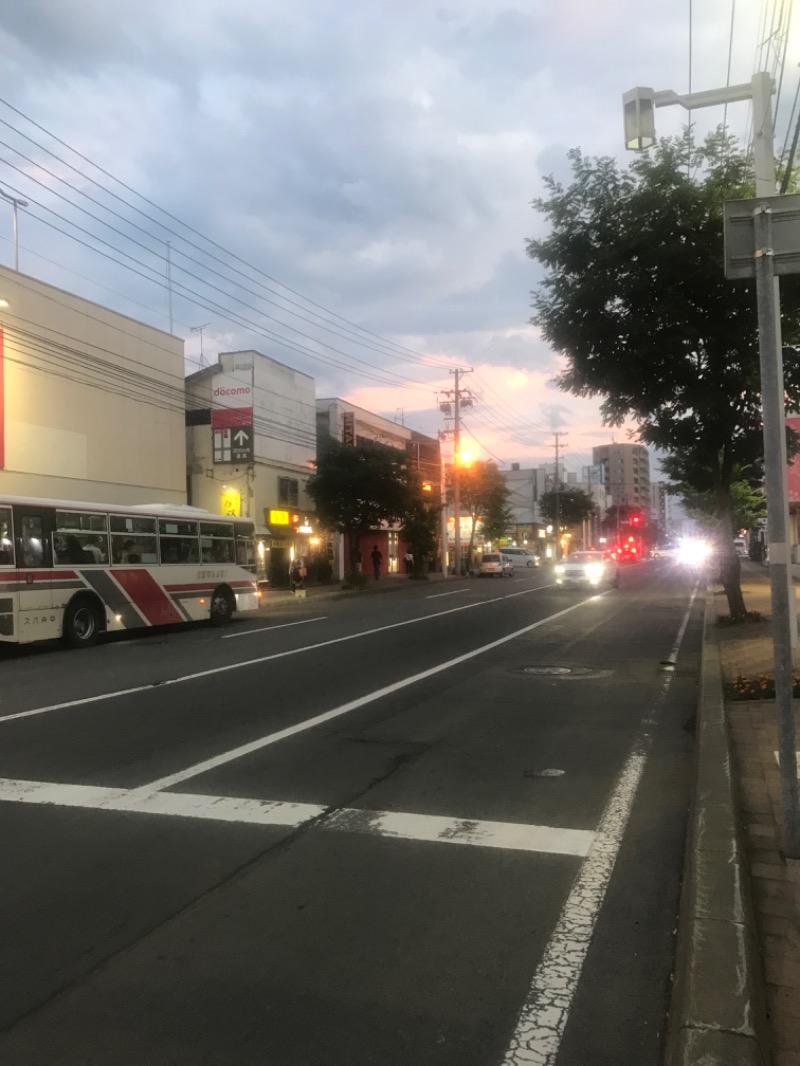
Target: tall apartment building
[{"x": 626, "y": 474}]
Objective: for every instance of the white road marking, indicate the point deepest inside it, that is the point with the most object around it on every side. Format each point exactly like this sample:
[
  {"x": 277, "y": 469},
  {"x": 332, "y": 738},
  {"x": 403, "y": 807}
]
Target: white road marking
[
  {"x": 269, "y": 629},
  {"x": 778, "y": 760},
  {"x": 510, "y": 836},
  {"x": 543, "y": 1019},
  {"x": 254, "y": 662},
  {"x": 455, "y": 592},
  {"x": 327, "y": 716}
]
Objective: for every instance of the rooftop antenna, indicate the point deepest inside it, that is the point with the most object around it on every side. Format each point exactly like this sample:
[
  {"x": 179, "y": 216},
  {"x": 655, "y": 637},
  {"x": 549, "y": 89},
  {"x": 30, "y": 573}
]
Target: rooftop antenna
[{"x": 199, "y": 329}]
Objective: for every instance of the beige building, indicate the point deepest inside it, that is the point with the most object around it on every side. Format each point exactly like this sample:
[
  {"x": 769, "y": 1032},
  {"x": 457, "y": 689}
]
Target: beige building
[
  {"x": 91, "y": 402},
  {"x": 251, "y": 446},
  {"x": 626, "y": 474}
]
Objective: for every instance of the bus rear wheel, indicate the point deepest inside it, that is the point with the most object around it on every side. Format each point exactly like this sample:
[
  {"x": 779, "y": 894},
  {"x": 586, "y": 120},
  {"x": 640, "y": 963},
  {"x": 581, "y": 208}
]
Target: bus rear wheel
[
  {"x": 222, "y": 607},
  {"x": 81, "y": 624}
]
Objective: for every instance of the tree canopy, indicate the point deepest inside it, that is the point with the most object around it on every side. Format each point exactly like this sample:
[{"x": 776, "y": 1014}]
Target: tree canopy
[
  {"x": 483, "y": 494},
  {"x": 573, "y": 506},
  {"x": 635, "y": 297},
  {"x": 356, "y": 488}
]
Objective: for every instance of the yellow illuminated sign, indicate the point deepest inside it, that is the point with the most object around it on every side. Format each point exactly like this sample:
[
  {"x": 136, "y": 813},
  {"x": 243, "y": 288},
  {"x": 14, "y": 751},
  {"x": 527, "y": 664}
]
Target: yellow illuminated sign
[
  {"x": 278, "y": 518},
  {"x": 231, "y": 503}
]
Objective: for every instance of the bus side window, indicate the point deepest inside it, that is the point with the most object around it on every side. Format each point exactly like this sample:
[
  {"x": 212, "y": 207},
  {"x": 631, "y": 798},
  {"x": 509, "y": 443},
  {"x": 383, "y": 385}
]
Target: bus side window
[
  {"x": 6, "y": 543},
  {"x": 32, "y": 535}
]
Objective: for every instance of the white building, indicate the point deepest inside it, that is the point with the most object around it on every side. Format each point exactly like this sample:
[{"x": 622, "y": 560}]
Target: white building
[
  {"x": 251, "y": 446},
  {"x": 91, "y": 402}
]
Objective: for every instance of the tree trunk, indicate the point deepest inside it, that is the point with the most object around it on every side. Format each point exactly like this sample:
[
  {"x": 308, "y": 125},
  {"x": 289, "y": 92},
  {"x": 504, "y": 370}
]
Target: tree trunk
[
  {"x": 730, "y": 575},
  {"x": 730, "y": 567}
]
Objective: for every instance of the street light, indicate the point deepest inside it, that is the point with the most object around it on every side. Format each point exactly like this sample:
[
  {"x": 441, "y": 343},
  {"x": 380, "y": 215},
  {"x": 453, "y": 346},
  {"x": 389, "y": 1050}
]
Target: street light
[
  {"x": 16, "y": 203},
  {"x": 638, "y": 106}
]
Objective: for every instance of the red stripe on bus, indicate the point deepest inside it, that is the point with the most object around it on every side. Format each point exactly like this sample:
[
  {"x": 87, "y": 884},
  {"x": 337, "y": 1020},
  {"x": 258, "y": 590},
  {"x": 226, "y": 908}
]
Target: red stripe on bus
[{"x": 148, "y": 596}]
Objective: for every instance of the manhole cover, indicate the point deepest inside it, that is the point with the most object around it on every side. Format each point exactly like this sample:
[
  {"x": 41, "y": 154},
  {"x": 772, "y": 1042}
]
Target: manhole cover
[
  {"x": 566, "y": 673},
  {"x": 544, "y": 773}
]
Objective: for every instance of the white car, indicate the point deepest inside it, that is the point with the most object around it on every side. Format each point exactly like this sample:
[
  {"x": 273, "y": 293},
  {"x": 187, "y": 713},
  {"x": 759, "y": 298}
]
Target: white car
[
  {"x": 522, "y": 557},
  {"x": 494, "y": 564},
  {"x": 592, "y": 568}
]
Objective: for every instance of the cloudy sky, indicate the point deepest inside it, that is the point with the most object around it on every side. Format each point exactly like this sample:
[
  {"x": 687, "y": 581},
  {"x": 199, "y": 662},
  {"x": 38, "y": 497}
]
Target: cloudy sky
[{"x": 345, "y": 185}]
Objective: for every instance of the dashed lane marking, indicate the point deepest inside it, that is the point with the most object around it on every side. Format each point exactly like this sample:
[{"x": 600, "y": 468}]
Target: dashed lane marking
[
  {"x": 312, "y": 647},
  {"x": 269, "y": 629},
  {"x": 511, "y": 836}
]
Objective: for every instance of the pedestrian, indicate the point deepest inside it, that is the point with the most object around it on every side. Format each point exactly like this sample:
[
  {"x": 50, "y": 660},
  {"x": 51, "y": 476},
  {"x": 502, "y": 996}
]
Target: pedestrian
[
  {"x": 359, "y": 560},
  {"x": 409, "y": 561},
  {"x": 297, "y": 573},
  {"x": 377, "y": 558}
]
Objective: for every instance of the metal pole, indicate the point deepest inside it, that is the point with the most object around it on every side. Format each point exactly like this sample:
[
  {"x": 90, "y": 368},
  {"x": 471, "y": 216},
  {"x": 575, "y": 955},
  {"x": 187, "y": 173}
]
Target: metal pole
[
  {"x": 457, "y": 482},
  {"x": 169, "y": 284},
  {"x": 16, "y": 238},
  {"x": 443, "y": 515},
  {"x": 775, "y": 472}
]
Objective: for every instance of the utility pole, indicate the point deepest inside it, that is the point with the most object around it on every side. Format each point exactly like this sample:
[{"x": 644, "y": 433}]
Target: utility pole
[
  {"x": 456, "y": 398},
  {"x": 15, "y": 203},
  {"x": 557, "y": 488}
]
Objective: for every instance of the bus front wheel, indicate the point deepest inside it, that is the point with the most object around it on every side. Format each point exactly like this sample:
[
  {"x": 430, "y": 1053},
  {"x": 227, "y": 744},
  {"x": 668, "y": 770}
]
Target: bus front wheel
[
  {"x": 81, "y": 624},
  {"x": 222, "y": 607}
]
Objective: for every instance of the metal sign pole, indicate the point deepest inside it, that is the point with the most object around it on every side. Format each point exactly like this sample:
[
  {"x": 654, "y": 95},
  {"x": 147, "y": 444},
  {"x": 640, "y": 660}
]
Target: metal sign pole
[{"x": 774, "y": 466}]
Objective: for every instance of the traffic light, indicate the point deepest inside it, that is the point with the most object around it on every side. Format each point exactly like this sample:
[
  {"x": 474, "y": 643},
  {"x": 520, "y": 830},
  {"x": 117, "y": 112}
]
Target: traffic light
[{"x": 636, "y": 519}]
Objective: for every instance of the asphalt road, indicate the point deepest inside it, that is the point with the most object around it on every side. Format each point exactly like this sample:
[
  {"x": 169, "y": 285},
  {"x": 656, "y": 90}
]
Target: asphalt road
[{"x": 441, "y": 826}]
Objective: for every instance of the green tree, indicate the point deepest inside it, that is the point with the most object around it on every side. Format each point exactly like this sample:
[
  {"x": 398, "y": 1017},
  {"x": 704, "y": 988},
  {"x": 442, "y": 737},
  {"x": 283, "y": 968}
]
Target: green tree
[
  {"x": 635, "y": 298},
  {"x": 748, "y": 502},
  {"x": 356, "y": 488},
  {"x": 483, "y": 493},
  {"x": 419, "y": 528},
  {"x": 573, "y": 506}
]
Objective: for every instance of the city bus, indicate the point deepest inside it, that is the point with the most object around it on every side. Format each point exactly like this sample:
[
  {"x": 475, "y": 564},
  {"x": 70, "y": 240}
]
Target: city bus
[{"x": 75, "y": 570}]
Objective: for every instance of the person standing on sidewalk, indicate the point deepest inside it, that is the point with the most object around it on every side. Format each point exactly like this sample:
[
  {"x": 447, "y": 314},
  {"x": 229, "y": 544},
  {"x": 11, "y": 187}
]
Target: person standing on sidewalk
[
  {"x": 408, "y": 558},
  {"x": 377, "y": 558}
]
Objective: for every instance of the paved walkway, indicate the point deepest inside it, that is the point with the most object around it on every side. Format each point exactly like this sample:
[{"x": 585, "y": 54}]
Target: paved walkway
[{"x": 747, "y": 650}]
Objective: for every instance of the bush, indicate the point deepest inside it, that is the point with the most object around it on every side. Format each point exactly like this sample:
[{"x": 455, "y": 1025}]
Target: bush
[{"x": 355, "y": 582}]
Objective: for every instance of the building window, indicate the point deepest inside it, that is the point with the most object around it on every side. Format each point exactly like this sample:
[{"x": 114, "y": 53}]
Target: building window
[{"x": 288, "y": 490}]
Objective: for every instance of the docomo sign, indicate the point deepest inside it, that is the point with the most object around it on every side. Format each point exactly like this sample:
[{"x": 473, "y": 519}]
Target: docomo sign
[{"x": 228, "y": 391}]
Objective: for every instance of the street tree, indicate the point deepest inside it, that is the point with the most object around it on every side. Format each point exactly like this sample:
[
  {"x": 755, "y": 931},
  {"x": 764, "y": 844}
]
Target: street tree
[
  {"x": 570, "y": 506},
  {"x": 419, "y": 529},
  {"x": 483, "y": 494},
  {"x": 748, "y": 502},
  {"x": 635, "y": 299},
  {"x": 357, "y": 487}
]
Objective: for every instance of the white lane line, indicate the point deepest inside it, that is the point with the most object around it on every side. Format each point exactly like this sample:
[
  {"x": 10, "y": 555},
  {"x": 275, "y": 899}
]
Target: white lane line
[
  {"x": 455, "y": 592},
  {"x": 269, "y": 629},
  {"x": 543, "y": 1019},
  {"x": 778, "y": 760},
  {"x": 430, "y": 828},
  {"x": 537, "y": 1038},
  {"x": 300, "y": 727},
  {"x": 254, "y": 662}
]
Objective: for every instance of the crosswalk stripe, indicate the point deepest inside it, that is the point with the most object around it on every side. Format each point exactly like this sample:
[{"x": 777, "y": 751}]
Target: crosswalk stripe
[{"x": 398, "y": 825}]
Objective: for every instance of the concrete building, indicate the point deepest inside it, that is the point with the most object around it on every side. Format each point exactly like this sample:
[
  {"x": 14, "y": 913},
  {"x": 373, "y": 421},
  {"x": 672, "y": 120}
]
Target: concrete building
[
  {"x": 353, "y": 425},
  {"x": 626, "y": 474},
  {"x": 91, "y": 402},
  {"x": 251, "y": 446}
]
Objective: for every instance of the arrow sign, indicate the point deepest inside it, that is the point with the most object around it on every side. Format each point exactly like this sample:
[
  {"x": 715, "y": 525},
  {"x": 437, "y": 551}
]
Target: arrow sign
[{"x": 241, "y": 437}]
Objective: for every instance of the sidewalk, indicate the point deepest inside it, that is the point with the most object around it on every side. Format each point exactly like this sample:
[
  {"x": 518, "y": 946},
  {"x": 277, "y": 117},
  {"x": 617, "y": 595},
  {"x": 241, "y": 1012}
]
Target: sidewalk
[{"x": 737, "y": 988}]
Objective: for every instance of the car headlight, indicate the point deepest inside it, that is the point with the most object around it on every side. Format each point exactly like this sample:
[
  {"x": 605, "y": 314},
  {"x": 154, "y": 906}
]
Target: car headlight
[
  {"x": 559, "y": 570},
  {"x": 594, "y": 570}
]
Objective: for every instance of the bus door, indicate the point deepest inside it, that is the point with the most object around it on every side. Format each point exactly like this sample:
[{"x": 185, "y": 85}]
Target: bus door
[
  {"x": 8, "y": 576},
  {"x": 33, "y": 538}
]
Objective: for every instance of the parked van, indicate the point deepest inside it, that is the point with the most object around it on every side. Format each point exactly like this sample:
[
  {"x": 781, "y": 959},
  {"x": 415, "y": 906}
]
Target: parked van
[
  {"x": 521, "y": 556},
  {"x": 740, "y": 544}
]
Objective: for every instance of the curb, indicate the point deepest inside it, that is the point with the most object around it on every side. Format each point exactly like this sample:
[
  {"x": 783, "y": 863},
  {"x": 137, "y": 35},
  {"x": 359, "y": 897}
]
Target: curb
[{"x": 718, "y": 1009}]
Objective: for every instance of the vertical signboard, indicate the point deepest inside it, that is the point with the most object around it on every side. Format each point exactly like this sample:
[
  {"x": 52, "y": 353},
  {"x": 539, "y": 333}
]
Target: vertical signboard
[
  {"x": 232, "y": 419},
  {"x": 348, "y": 428}
]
